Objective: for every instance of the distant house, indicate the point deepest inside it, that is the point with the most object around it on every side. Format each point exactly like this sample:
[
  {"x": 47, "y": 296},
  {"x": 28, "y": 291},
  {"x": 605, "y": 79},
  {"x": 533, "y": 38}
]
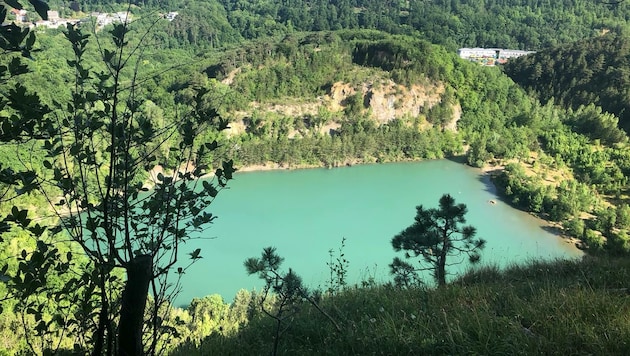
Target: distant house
[
  {"x": 171, "y": 15},
  {"x": 122, "y": 16},
  {"x": 467, "y": 53},
  {"x": 20, "y": 15},
  {"x": 103, "y": 19},
  {"x": 513, "y": 53},
  {"x": 490, "y": 56},
  {"x": 100, "y": 19},
  {"x": 53, "y": 16}
]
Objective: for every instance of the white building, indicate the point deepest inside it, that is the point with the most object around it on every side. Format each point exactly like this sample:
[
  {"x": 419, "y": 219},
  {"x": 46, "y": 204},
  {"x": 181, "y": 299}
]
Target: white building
[
  {"x": 171, "y": 15},
  {"x": 20, "y": 15},
  {"x": 513, "y": 53},
  {"x": 53, "y": 16},
  {"x": 497, "y": 53},
  {"x": 468, "y": 53},
  {"x": 123, "y": 16}
]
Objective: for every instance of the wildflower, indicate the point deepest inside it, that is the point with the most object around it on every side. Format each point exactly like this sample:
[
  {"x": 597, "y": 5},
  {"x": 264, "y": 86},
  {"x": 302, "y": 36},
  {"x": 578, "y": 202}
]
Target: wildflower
[
  {"x": 372, "y": 320},
  {"x": 413, "y": 317},
  {"x": 381, "y": 309}
]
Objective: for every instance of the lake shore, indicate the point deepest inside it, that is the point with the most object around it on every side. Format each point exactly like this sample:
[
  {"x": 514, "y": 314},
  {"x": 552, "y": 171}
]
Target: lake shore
[
  {"x": 367, "y": 204},
  {"x": 492, "y": 169},
  {"x": 489, "y": 171},
  {"x": 273, "y": 166}
]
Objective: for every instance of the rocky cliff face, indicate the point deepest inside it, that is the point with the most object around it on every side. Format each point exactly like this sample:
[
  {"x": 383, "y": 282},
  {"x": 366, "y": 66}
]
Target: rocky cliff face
[
  {"x": 383, "y": 100},
  {"x": 386, "y": 99}
]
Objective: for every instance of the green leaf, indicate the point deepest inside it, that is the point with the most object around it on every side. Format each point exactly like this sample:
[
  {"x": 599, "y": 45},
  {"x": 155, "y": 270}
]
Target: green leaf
[
  {"x": 21, "y": 216},
  {"x": 228, "y": 169},
  {"x": 195, "y": 254},
  {"x": 41, "y": 245},
  {"x": 212, "y": 145},
  {"x": 212, "y": 191},
  {"x": 41, "y": 326},
  {"x": 41, "y": 8},
  {"x": 14, "y": 4},
  {"x": 3, "y": 14},
  {"x": 118, "y": 34},
  {"x": 30, "y": 40},
  {"x": 4, "y": 227},
  {"x": 37, "y": 230},
  {"x": 59, "y": 320}
]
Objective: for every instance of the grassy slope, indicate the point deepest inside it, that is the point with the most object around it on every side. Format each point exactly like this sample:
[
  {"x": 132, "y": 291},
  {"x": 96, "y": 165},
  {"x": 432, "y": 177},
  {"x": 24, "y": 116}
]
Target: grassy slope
[{"x": 562, "y": 307}]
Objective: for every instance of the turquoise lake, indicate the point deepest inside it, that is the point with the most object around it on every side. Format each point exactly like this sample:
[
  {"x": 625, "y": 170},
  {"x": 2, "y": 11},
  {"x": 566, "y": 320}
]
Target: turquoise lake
[{"x": 305, "y": 213}]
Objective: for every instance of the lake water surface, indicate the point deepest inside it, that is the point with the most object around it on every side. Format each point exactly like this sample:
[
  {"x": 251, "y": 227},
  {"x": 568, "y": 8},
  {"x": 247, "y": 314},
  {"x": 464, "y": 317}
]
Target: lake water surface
[{"x": 305, "y": 213}]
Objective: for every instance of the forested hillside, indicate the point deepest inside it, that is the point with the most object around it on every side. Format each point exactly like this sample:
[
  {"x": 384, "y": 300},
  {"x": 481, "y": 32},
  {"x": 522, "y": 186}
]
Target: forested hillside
[
  {"x": 517, "y": 24},
  {"x": 99, "y": 125},
  {"x": 593, "y": 71}
]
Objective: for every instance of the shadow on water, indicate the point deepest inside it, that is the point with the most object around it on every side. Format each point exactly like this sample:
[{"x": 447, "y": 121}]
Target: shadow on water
[
  {"x": 555, "y": 230},
  {"x": 485, "y": 177},
  {"x": 457, "y": 159},
  {"x": 559, "y": 232}
]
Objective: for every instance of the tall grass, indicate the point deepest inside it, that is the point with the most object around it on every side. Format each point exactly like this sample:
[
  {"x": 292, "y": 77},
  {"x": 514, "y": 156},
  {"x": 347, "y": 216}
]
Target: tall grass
[{"x": 551, "y": 308}]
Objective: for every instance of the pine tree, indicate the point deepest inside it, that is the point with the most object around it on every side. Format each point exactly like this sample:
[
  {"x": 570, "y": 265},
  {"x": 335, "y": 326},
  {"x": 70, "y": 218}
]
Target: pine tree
[{"x": 434, "y": 237}]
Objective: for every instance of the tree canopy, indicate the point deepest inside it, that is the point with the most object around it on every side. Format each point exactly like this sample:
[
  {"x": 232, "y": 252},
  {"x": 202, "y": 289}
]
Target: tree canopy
[
  {"x": 90, "y": 156},
  {"x": 592, "y": 71},
  {"x": 435, "y": 239}
]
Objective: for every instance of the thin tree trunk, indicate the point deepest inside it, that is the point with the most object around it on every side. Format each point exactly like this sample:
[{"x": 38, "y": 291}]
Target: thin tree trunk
[
  {"x": 441, "y": 272},
  {"x": 102, "y": 324},
  {"x": 134, "y": 300},
  {"x": 441, "y": 268}
]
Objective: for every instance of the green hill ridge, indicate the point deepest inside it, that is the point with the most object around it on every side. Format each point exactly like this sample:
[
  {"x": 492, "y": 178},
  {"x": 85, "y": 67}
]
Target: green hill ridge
[{"x": 593, "y": 71}]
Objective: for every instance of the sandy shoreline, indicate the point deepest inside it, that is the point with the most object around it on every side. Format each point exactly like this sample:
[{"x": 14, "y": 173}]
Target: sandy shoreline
[{"x": 272, "y": 166}]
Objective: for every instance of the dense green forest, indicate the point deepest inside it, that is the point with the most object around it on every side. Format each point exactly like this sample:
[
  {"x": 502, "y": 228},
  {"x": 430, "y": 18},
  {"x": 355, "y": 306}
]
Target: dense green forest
[
  {"x": 591, "y": 71},
  {"x": 300, "y": 84},
  {"x": 518, "y": 24}
]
